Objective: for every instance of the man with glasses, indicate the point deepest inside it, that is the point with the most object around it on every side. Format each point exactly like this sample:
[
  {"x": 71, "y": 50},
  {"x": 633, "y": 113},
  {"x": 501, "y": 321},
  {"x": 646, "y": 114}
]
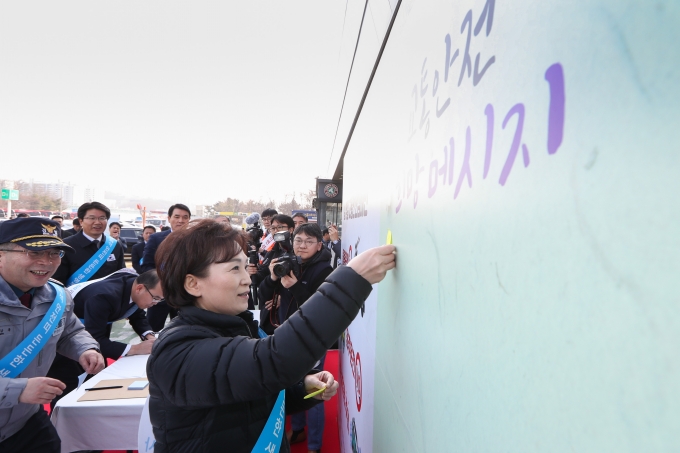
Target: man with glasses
[
  {"x": 102, "y": 255},
  {"x": 267, "y": 241},
  {"x": 98, "y": 304},
  {"x": 285, "y": 295},
  {"x": 279, "y": 224},
  {"x": 122, "y": 295},
  {"x": 30, "y": 252}
]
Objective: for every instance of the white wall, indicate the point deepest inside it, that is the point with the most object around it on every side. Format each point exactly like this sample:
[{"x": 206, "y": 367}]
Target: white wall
[{"x": 533, "y": 309}]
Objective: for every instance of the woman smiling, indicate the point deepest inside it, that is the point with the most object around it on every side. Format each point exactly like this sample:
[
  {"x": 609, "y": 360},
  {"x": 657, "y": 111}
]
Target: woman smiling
[{"x": 214, "y": 384}]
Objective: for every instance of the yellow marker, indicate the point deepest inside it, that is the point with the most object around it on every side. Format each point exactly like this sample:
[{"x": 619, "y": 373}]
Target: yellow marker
[
  {"x": 389, "y": 237},
  {"x": 315, "y": 393}
]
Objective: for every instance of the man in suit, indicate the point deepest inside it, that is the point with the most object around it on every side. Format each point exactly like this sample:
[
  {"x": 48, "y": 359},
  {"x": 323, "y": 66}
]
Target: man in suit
[
  {"x": 98, "y": 304},
  {"x": 93, "y": 217},
  {"x": 71, "y": 231},
  {"x": 121, "y": 295},
  {"x": 60, "y": 221},
  {"x": 138, "y": 248},
  {"x": 178, "y": 216}
]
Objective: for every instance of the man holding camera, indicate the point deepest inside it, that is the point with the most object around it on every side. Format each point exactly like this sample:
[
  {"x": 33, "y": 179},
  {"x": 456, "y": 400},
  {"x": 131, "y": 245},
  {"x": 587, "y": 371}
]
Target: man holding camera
[
  {"x": 267, "y": 241},
  {"x": 293, "y": 278},
  {"x": 279, "y": 223}
]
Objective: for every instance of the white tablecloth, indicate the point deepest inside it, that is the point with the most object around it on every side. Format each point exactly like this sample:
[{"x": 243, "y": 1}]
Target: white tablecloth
[{"x": 106, "y": 424}]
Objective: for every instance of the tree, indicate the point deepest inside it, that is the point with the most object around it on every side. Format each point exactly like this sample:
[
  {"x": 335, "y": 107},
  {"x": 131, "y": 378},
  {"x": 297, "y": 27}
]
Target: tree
[
  {"x": 287, "y": 207},
  {"x": 33, "y": 199}
]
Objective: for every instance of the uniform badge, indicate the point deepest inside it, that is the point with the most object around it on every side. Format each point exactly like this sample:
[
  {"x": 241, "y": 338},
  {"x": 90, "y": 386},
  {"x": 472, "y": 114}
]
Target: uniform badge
[{"x": 49, "y": 230}]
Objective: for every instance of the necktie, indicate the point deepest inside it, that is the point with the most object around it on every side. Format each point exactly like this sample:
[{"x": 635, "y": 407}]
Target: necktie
[
  {"x": 96, "y": 243},
  {"x": 26, "y": 300}
]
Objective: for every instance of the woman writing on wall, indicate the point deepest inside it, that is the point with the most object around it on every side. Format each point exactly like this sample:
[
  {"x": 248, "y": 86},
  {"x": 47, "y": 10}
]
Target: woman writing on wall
[{"x": 214, "y": 384}]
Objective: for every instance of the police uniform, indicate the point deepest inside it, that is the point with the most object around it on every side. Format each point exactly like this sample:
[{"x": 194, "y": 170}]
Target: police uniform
[{"x": 26, "y": 427}]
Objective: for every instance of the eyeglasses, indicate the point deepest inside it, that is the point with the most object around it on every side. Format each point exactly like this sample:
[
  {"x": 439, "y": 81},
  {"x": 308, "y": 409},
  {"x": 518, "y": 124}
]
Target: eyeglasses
[
  {"x": 92, "y": 218},
  {"x": 279, "y": 228},
  {"x": 50, "y": 254},
  {"x": 308, "y": 243},
  {"x": 156, "y": 299}
]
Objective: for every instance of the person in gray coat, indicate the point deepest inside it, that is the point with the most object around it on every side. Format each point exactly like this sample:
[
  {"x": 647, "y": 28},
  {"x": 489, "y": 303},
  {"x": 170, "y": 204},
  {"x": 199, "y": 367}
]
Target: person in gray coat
[{"x": 30, "y": 253}]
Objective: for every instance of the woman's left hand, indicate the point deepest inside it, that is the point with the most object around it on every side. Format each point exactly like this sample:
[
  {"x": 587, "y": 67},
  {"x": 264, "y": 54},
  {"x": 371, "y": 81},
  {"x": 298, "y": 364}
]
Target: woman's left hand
[
  {"x": 289, "y": 280},
  {"x": 314, "y": 382}
]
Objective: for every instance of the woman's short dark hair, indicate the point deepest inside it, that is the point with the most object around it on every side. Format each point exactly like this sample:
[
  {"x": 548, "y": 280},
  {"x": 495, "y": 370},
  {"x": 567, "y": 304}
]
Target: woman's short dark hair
[
  {"x": 312, "y": 230},
  {"x": 284, "y": 219},
  {"x": 191, "y": 250},
  {"x": 82, "y": 210}
]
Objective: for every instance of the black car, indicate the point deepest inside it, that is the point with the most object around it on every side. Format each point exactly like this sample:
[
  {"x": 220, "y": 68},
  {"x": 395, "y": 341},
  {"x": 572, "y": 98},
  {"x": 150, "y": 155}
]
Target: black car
[{"x": 132, "y": 235}]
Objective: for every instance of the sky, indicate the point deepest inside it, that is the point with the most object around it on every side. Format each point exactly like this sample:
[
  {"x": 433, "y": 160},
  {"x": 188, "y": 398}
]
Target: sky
[{"x": 194, "y": 101}]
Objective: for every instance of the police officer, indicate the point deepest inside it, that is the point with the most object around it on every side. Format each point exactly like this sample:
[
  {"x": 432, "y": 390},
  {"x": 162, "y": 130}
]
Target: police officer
[{"x": 30, "y": 252}]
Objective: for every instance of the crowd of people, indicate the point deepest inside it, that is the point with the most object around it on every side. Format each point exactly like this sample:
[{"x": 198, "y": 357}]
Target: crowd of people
[{"x": 213, "y": 361}]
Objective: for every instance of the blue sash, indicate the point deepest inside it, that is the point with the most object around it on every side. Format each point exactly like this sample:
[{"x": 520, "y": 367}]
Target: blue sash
[
  {"x": 21, "y": 356},
  {"x": 95, "y": 262},
  {"x": 273, "y": 432}
]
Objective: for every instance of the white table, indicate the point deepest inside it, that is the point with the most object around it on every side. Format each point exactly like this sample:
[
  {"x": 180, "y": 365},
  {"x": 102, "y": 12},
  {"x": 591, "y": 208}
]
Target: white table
[{"x": 106, "y": 424}]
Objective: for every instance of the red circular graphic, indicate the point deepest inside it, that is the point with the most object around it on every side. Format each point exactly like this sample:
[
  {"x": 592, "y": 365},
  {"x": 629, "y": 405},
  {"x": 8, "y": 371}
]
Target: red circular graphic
[{"x": 331, "y": 190}]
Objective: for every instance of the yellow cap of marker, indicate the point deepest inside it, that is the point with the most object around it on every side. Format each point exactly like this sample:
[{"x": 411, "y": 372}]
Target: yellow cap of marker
[{"x": 389, "y": 237}]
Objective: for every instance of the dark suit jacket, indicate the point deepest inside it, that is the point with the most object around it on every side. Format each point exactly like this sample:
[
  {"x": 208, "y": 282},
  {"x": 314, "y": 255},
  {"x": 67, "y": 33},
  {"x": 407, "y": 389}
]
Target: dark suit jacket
[
  {"x": 150, "y": 250},
  {"x": 84, "y": 249},
  {"x": 68, "y": 233},
  {"x": 137, "y": 253},
  {"x": 104, "y": 302}
]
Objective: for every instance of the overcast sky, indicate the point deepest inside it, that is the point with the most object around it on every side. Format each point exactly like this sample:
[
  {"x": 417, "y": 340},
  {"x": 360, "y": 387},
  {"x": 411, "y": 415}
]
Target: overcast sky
[{"x": 194, "y": 101}]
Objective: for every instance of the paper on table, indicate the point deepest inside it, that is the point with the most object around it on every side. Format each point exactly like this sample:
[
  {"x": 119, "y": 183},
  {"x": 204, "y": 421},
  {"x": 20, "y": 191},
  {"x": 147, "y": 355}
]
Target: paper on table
[
  {"x": 115, "y": 394},
  {"x": 81, "y": 379}
]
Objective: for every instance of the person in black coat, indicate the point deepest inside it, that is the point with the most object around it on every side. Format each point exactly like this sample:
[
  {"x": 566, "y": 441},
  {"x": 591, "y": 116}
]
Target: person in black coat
[
  {"x": 178, "y": 216},
  {"x": 71, "y": 231},
  {"x": 93, "y": 218},
  {"x": 122, "y": 295},
  {"x": 138, "y": 248},
  {"x": 213, "y": 382},
  {"x": 287, "y": 294}
]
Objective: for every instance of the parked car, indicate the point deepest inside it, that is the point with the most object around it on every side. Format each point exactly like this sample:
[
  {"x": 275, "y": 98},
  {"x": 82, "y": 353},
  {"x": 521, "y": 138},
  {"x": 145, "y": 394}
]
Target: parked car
[{"x": 132, "y": 236}]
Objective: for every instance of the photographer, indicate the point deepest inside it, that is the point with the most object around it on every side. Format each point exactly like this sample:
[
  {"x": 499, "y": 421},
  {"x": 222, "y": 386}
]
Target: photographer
[
  {"x": 267, "y": 242},
  {"x": 279, "y": 223},
  {"x": 285, "y": 294}
]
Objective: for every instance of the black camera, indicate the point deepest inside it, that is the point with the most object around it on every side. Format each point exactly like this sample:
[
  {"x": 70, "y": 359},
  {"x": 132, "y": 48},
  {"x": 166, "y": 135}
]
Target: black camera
[
  {"x": 288, "y": 261},
  {"x": 255, "y": 232}
]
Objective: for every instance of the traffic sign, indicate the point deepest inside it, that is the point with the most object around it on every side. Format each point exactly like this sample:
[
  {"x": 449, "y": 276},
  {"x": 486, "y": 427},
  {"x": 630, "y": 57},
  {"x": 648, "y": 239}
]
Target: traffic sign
[{"x": 8, "y": 194}]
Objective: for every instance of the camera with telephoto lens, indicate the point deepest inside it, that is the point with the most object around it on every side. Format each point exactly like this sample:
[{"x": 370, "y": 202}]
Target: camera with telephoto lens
[
  {"x": 255, "y": 232},
  {"x": 288, "y": 261}
]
